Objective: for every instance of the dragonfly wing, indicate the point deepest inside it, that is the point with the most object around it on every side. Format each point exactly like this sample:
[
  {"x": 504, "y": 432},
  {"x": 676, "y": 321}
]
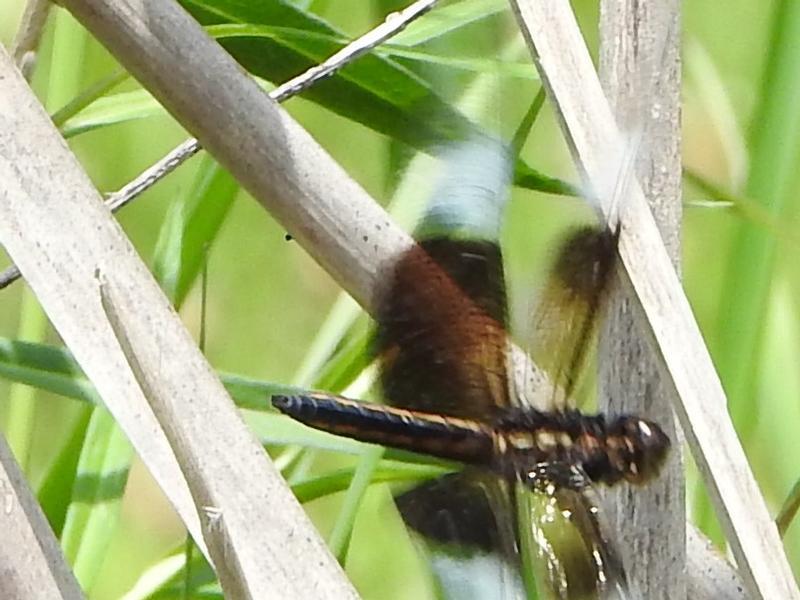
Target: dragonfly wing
[
  {"x": 583, "y": 506},
  {"x": 443, "y": 349},
  {"x": 441, "y": 321},
  {"x": 564, "y": 538},
  {"x": 564, "y": 324},
  {"x": 461, "y": 518},
  {"x": 441, "y": 330}
]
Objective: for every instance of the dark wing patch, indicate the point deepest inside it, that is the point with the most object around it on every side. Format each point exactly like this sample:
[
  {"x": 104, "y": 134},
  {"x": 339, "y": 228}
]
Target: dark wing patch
[
  {"x": 441, "y": 329},
  {"x": 564, "y": 325},
  {"x": 460, "y": 510}
]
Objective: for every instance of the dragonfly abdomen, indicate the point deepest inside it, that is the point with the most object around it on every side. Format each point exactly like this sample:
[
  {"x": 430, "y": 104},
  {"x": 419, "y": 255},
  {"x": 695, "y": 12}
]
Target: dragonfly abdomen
[
  {"x": 450, "y": 438},
  {"x": 513, "y": 445}
]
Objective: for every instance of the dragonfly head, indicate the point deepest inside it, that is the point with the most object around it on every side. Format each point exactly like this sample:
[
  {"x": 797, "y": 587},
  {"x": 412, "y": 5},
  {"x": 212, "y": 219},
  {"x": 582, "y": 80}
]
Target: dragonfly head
[{"x": 637, "y": 448}]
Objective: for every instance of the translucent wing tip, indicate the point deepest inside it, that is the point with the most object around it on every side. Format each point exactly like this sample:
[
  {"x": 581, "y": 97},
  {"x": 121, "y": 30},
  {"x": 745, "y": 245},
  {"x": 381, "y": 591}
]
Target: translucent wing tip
[{"x": 469, "y": 199}]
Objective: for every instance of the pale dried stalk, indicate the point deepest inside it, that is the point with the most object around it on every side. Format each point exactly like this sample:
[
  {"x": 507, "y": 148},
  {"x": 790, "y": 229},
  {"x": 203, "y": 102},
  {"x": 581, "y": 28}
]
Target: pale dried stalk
[
  {"x": 33, "y": 565},
  {"x": 640, "y": 69},
  {"x": 394, "y": 24},
  {"x": 54, "y": 225},
  {"x": 588, "y": 123}
]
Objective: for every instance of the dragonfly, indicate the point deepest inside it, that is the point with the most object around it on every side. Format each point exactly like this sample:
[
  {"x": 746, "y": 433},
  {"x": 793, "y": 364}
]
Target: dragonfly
[{"x": 448, "y": 379}]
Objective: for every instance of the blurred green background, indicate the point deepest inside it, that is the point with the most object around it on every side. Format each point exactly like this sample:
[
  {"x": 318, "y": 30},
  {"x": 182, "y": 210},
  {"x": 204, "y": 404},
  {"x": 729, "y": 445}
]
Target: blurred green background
[{"x": 267, "y": 300}]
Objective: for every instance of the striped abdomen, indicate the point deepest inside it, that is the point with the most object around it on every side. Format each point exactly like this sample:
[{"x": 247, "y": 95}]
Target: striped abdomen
[
  {"x": 451, "y": 438},
  {"x": 513, "y": 445}
]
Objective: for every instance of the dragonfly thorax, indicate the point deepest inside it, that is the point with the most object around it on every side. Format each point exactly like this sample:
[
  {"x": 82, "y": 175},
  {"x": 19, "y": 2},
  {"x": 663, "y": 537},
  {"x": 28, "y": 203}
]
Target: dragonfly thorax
[{"x": 628, "y": 447}]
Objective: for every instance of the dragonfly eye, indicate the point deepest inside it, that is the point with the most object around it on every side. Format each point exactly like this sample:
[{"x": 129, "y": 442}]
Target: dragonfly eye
[{"x": 641, "y": 448}]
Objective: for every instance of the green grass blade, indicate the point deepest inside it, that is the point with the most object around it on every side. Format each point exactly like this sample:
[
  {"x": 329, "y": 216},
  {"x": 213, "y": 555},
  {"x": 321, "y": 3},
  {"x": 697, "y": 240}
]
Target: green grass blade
[
  {"x": 775, "y": 135},
  {"x": 56, "y": 488},
  {"x": 386, "y": 471},
  {"x": 165, "y": 580},
  {"x": 775, "y": 131},
  {"x": 447, "y": 19},
  {"x": 88, "y": 97},
  {"x": 191, "y": 227},
  {"x": 45, "y": 367},
  {"x": 789, "y": 508},
  {"x": 97, "y": 497},
  {"x": 377, "y": 92},
  {"x": 346, "y": 365},
  {"x": 339, "y": 540},
  {"x": 22, "y": 398},
  {"x": 112, "y": 110},
  {"x": 53, "y": 369}
]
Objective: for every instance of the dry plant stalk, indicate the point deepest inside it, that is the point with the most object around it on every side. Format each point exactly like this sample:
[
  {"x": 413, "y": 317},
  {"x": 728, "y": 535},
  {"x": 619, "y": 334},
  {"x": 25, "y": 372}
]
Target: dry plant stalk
[
  {"x": 272, "y": 157},
  {"x": 588, "y": 123}
]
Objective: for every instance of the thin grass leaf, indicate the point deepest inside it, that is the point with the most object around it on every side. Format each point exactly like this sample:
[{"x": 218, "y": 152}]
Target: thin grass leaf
[
  {"x": 774, "y": 135},
  {"x": 333, "y": 331},
  {"x": 788, "y": 509},
  {"x": 448, "y": 19},
  {"x": 165, "y": 580},
  {"x": 301, "y": 41},
  {"x": 97, "y": 497},
  {"x": 274, "y": 430},
  {"x": 477, "y": 65},
  {"x": 526, "y": 125},
  {"x": 339, "y": 540},
  {"x": 156, "y": 577},
  {"x": 55, "y": 490},
  {"x": 772, "y": 455},
  {"x": 88, "y": 97},
  {"x": 53, "y": 369},
  {"x": 719, "y": 106},
  {"x": 386, "y": 471},
  {"x": 374, "y": 91},
  {"x": 253, "y": 394},
  {"x": 21, "y": 404},
  {"x": 191, "y": 227},
  {"x": 348, "y": 363},
  {"x": 754, "y": 212},
  {"x": 45, "y": 367},
  {"x": 112, "y": 110}
]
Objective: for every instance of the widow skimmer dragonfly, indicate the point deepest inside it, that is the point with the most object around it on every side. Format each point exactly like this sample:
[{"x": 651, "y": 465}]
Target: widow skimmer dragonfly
[{"x": 446, "y": 373}]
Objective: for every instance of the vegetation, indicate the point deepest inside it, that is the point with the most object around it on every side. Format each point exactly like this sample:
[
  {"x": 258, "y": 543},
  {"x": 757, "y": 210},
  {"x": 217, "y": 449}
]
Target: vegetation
[{"x": 273, "y": 318}]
